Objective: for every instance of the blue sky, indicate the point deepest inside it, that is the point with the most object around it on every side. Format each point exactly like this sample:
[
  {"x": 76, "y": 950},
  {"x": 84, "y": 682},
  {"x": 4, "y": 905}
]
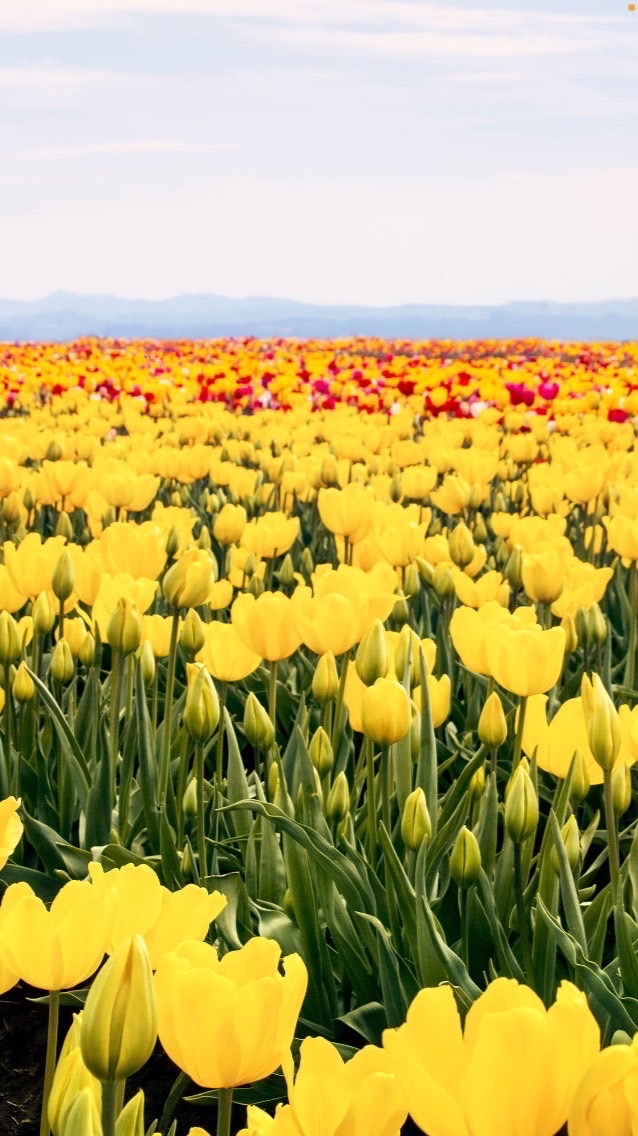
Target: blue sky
[{"x": 371, "y": 151}]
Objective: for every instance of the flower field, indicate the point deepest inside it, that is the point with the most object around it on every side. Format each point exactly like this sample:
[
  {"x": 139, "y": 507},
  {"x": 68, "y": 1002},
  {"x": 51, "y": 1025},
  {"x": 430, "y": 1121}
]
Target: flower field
[{"x": 318, "y": 718}]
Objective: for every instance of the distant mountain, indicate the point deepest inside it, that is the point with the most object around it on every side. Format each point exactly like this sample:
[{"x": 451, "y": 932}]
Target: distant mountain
[{"x": 66, "y": 315}]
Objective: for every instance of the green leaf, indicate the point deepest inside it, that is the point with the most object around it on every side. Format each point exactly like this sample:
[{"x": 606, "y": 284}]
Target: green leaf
[
  {"x": 71, "y": 751},
  {"x": 369, "y": 1021}
]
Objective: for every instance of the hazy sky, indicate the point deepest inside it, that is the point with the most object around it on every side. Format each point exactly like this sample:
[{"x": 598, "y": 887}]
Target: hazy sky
[{"x": 373, "y": 151}]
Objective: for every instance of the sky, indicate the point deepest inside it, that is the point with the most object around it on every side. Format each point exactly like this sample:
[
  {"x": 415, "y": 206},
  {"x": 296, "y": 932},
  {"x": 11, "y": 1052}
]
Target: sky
[{"x": 333, "y": 151}]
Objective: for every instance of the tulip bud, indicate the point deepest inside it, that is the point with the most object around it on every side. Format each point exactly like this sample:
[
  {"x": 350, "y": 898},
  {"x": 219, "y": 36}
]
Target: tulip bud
[
  {"x": 580, "y": 784},
  {"x": 172, "y": 543},
  {"x": 570, "y": 837},
  {"x": 43, "y": 614},
  {"x": 256, "y": 586},
  {"x": 250, "y": 565},
  {"x": 204, "y": 541},
  {"x": 416, "y": 825},
  {"x": 320, "y": 751},
  {"x": 62, "y": 667},
  {"x": 201, "y": 709},
  {"x": 338, "y": 802},
  {"x": 582, "y": 626},
  {"x": 28, "y": 500},
  {"x": 307, "y": 563},
  {"x": 385, "y": 711},
  {"x": 476, "y": 787},
  {"x": 258, "y": 727},
  {"x": 492, "y": 727},
  {"x": 461, "y": 545},
  {"x": 119, "y": 1026},
  {"x": 408, "y": 647},
  {"x": 130, "y": 1122},
  {"x": 329, "y": 473},
  {"x": 63, "y": 579},
  {"x": 9, "y": 641},
  {"x": 147, "y": 663},
  {"x": 596, "y": 625},
  {"x": 395, "y": 489},
  {"x": 287, "y": 572},
  {"x": 568, "y": 625},
  {"x": 480, "y": 531},
  {"x": 54, "y": 451},
  {"x": 513, "y": 570},
  {"x": 521, "y": 805},
  {"x": 371, "y": 660},
  {"x": 601, "y": 717},
  {"x": 400, "y": 612},
  {"x": 83, "y": 1117},
  {"x": 124, "y": 630},
  {"x": 443, "y": 581},
  {"x": 23, "y": 685},
  {"x": 415, "y": 735},
  {"x": 425, "y": 570},
  {"x": 273, "y": 782},
  {"x": 87, "y": 650},
  {"x": 70, "y": 1078},
  {"x": 411, "y": 581},
  {"x": 325, "y": 681},
  {"x": 621, "y": 788},
  {"x": 64, "y": 527},
  {"x": 189, "y": 800},
  {"x": 192, "y": 635},
  {"x": 465, "y": 859}
]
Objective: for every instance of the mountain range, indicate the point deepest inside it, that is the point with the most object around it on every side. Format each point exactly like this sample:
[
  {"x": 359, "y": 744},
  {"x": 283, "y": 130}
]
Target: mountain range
[{"x": 68, "y": 315}]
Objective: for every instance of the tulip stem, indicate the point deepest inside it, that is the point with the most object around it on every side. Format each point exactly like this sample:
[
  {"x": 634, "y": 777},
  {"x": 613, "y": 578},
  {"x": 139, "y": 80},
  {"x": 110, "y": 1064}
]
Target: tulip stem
[
  {"x": 109, "y": 1107},
  {"x": 116, "y": 697},
  {"x": 168, "y": 711},
  {"x": 341, "y": 689},
  {"x": 612, "y": 837},
  {"x": 386, "y": 788},
  {"x": 49, "y": 1067},
  {"x": 219, "y": 756},
  {"x": 518, "y": 740},
  {"x": 224, "y": 1108},
  {"x": 201, "y": 827},
  {"x": 272, "y": 695},
  {"x": 630, "y": 670},
  {"x": 521, "y": 909},
  {"x": 372, "y": 804}
]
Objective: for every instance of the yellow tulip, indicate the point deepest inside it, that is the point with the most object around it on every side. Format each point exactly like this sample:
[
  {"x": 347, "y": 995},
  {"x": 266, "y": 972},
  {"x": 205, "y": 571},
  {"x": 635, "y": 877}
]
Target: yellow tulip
[
  {"x": 188, "y": 581},
  {"x": 119, "y": 1024},
  {"x": 270, "y": 535},
  {"x": 514, "y": 1068},
  {"x": 225, "y": 655},
  {"x": 325, "y": 623},
  {"x": 606, "y": 1100},
  {"x": 266, "y": 625},
  {"x": 440, "y": 694},
  {"x": 385, "y": 711},
  {"x": 56, "y": 948},
  {"x": 229, "y": 1021},
  {"x": 622, "y": 536},
  {"x": 526, "y": 662}
]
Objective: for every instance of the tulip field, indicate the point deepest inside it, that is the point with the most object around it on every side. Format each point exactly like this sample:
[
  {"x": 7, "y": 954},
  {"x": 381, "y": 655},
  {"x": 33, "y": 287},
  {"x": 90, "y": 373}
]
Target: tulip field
[{"x": 318, "y": 718}]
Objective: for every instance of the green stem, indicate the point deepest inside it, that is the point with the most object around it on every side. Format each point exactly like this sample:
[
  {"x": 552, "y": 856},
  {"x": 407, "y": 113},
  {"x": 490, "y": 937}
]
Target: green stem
[
  {"x": 168, "y": 711},
  {"x": 272, "y": 695},
  {"x": 612, "y": 837},
  {"x": 465, "y": 930},
  {"x": 201, "y": 828},
  {"x": 12, "y": 768},
  {"x": 630, "y": 668},
  {"x": 518, "y": 741},
  {"x": 109, "y": 1107},
  {"x": 521, "y": 910},
  {"x": 116, "y": 697},
  {"x": 49, "y": 1067},
  {"x": 386, "y": 788},
  {"x": 224, "y": 1108},
  {"x": 336, "y": 724},
  {"x": 372, "y": 804},
  {"x": 219, "y": 753}
]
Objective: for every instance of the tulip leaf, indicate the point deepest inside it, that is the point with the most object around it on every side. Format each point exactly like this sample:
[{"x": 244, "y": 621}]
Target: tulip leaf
[
  {"x": 369, "y": 1021},
  {"x": 237, "y": 785},
  {"x": 236, "y": 914},
  {"x": 147, "y": 761},
  {"x": 56, "y": 854},
  {"x": 99, "y": 804},
  {"x": 398, "y": 985},
  {"x": 71, "y": 751},
  {"x": 595, "y": 981},
  {"x": 569, "y": 894},
  {"x": 45, "y": 886},
  {"x": 626, "y": 947},
  {"x": 454, "y": 968}
]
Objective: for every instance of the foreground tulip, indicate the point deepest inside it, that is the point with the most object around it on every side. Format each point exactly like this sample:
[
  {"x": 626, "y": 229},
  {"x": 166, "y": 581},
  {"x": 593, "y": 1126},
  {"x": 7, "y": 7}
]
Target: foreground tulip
[
  {"x": 333, "y": 1097},
  {"x": 385, "y": 711},
  {"x": 512, "y": 1071},
  {"x": 225, "y": 655},
  {"x": 187, "y": 582},
  {"x": 11, "y": 828},
  {"x": 119, "y": 1025},
  {"x": 606, "y": 1101},
  {"x": 71, "y": 1076},
  {"x": 526, "y": 662},
  {"x": 136, "y": 903},
  {"x": 228, "y": 1021},
  {"x": 266, "y": 625},
  {"x": 82, "y": 1118}
]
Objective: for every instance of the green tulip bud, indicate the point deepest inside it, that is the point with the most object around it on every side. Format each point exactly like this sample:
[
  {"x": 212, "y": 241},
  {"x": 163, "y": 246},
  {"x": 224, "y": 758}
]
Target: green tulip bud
[
  {"x": 621, "y": 788},
  {"x": 87, "y": 650},
  {"x": 192, "y": 635},
  {"x": 492, "y": 727},
  {"x": 23, "y": 685},
  {"x": 416, "y": 825},
  {"x": 63, "y": 579},
  {"x": 465, "y": 859},
  {"x": 130, "y": 1122},
  {"x": 570, "y": 837},
  {"x": 147, "y": 663},
  {"x": 201, "y": 710},
  {"x": 64, "y": 527},
  {"x": 124, "y": 631},
  {"x": 62, "y": 667},
  {"x": 320, "y": 751},
  {"x": 461, "y": 545},
  {"x": 119, "y": 1027},
  {"x": 83, "y": 1117},
  {"x": 338, "y": 803},
  {"x": 43, "y": 614},
  {"x": 371, "y": 660},
  {"x": 325, "y": 681},
  {"x": 258, "y": 727},
  {"x": 521, "y": 805},
  {"x": 9, "y": 640}
]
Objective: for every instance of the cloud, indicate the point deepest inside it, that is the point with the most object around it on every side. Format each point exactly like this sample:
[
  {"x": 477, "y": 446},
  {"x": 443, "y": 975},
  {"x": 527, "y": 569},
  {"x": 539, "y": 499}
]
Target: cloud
[
  {"x": 40, "y": 77},
  {"x": 127, "y": 147}
]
